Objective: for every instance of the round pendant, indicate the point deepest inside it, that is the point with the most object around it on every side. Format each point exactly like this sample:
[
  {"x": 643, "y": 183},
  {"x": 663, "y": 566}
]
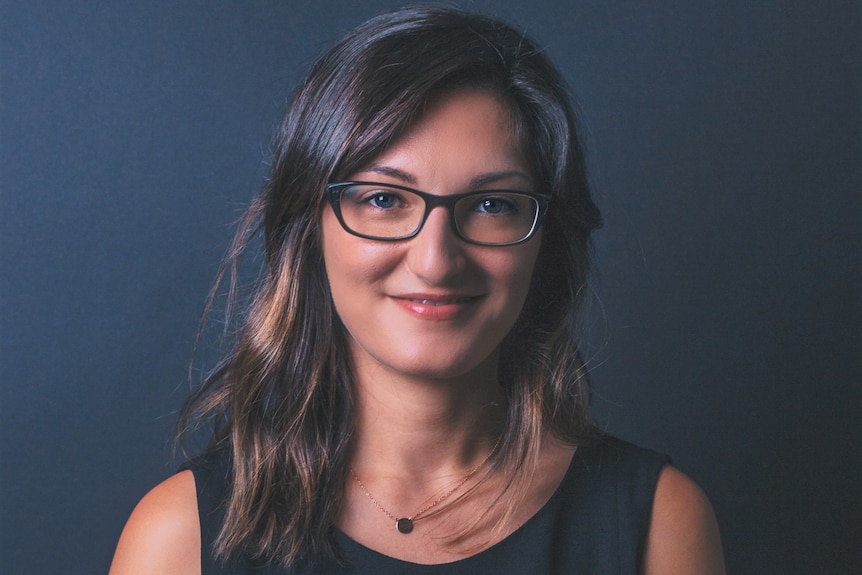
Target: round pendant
[{"x": 404, "y": 525}]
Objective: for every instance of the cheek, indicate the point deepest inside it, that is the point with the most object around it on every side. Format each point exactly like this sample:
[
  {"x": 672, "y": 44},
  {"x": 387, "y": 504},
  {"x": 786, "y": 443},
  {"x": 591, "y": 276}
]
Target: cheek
[
  {"x": 512, "y": 274},
  {"x": 330, "y": 236},
  {"x": 339, "y": 251},
  {"x": 527, "y": 271},
  {"x": 520, "y": 269},
  {"x": 351, "y": 262},
  {"x": 337, "y": 258}
]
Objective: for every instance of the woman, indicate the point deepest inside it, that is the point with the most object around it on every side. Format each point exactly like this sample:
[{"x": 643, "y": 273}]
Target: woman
[{"x": 406, "y": 393}]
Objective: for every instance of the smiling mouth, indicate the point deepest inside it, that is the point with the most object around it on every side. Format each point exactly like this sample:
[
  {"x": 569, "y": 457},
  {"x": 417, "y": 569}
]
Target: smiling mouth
[
  {"x": 441, "y": 302},
  {"x": 437, "y": 307}
]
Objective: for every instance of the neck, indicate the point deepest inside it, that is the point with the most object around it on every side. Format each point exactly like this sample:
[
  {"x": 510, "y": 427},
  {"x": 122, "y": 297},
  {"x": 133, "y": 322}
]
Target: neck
[{"x": 425, "y": 429}]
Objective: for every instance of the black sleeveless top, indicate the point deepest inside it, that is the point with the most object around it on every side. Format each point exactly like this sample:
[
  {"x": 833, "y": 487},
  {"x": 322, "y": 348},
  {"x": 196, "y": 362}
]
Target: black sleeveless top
[{"x": 595, "y": 523}]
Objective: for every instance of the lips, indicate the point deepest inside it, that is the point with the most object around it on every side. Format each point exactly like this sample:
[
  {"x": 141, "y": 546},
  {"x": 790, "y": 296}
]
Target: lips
[
  {"x": 436, "y": 306},
  {"x": 437, "y": 302}
]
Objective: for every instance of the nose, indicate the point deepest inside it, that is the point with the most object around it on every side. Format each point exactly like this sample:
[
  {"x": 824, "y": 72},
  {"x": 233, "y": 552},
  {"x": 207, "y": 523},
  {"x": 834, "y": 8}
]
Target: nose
[{"x": 436, "y": 253}]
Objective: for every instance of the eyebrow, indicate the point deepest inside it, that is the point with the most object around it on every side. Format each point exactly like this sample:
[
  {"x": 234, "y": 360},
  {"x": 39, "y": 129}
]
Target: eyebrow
[
  {"x": 490, "y": 178},
  {"x": 476, "y": 182},
  {"x": 393, "y": 172}
]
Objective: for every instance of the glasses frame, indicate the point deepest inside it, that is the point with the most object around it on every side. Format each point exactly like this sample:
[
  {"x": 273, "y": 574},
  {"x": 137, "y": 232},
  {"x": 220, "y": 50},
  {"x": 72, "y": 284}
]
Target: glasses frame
[{"x": 335, "y": 190}]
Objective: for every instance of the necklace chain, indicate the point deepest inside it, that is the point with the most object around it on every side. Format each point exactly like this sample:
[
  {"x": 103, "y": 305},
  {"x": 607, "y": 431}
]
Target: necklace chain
[{"x": 405, "y": 524}]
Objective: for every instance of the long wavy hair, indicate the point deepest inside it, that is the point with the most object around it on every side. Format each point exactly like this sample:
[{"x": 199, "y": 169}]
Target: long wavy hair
[{"x": 281, "y": 402}]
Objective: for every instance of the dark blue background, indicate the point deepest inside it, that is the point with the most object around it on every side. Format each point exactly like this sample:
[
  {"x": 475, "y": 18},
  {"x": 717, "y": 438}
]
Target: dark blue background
[{"x": 725, "y": 150}]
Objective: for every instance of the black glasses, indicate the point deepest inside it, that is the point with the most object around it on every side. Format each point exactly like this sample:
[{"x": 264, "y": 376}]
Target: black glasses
[{"x": 388, "y": 212}]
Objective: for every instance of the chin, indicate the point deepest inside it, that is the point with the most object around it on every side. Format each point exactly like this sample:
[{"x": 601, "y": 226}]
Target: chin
[{"x": 447, "y": 366}]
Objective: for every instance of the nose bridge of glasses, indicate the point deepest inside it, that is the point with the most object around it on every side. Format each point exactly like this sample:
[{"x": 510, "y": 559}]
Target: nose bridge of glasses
[
  {"x": 431, "y": 203},
  {"x": 436, "y": 203}
]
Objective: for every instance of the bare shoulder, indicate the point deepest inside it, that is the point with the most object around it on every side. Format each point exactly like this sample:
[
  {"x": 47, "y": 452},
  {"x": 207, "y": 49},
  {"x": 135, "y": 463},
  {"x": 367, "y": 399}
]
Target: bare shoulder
[
  {"x": 163, "y": 532},
  {"x": 683, "y": 536}
]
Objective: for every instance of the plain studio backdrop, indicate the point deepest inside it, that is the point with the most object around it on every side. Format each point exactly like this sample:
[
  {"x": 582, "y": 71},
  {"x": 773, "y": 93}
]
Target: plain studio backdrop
[{"x": 724, "y": 146}]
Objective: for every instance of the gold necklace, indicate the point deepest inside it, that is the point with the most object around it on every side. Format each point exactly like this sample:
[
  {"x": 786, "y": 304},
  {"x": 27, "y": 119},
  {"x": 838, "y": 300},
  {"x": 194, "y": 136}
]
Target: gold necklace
[{"x": 405, "y": 524}]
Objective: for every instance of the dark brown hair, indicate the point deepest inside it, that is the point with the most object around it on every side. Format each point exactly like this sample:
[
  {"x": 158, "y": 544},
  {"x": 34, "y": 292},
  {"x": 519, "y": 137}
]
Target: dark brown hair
[{"x": 281, "y": 402}]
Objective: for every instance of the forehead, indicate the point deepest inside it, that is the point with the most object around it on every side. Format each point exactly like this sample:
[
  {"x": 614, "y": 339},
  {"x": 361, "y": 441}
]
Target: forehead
[{"x": 462, "y": 132}]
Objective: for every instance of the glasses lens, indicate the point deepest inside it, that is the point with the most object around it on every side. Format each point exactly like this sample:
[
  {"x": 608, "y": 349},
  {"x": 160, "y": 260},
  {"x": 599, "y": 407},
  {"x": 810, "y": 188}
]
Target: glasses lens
[
  {"x": 381, "y": 212},
  {"x": 496, "y": 217}
]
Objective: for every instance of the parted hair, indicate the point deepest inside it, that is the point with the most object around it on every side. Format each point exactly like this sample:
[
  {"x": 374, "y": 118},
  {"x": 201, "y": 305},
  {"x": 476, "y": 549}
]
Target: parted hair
[{"x": 281, "y": 402}]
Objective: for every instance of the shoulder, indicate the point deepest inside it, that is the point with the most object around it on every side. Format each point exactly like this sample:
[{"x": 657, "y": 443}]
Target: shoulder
[
  {"x": 683, "y": 534},
  {"x": 163, "y": 532}
]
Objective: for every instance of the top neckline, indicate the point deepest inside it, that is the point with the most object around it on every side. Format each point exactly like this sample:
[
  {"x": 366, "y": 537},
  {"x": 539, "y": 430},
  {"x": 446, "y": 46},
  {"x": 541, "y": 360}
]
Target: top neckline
[{"x": 352, "y": 547}]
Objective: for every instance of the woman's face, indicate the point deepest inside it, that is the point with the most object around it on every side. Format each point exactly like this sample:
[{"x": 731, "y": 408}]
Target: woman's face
[{"x": 434, "y": 306}]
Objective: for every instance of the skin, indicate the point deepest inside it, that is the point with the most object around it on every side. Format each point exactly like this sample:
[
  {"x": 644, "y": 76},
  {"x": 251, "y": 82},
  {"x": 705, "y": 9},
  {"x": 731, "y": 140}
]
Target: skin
[
  {"x": 379, "y": 287},
  {"x": 163, "y": 533},
  {"x": 425, "y": 317},
  {"x": 427, "y": 394}
]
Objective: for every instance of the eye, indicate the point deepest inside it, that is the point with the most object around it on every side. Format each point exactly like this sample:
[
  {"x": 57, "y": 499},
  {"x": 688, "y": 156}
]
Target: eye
[
  {"x": 383, "y": 199},
  {"x": 375, "y": 198},
  {"x": 495, "y": 205}
]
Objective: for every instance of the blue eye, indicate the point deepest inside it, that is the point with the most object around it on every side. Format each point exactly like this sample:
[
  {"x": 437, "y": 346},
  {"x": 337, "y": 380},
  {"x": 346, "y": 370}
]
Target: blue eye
[
  {"x": 495, "y": 205},
  {"x": 383, "y": 200},
  {"x": 377, "y": 201}
]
